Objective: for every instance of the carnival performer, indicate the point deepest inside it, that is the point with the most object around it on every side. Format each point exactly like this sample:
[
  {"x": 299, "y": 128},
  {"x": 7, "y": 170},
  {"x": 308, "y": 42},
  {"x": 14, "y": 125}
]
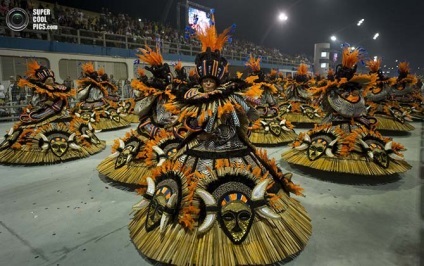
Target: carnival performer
[
  {"x": 389, "y": 114},
  {"x": 346, "y": 141},
  {"x": 95, "y": 104},
  {"x": 133, "y": 156},
  {"x": 298, "y": 106},
  {"x": 404, "y": 90},
  {"x": 271, "y": 129},
  {"x": 218, "y": 201},
  {"x": 46, "y": 132}
]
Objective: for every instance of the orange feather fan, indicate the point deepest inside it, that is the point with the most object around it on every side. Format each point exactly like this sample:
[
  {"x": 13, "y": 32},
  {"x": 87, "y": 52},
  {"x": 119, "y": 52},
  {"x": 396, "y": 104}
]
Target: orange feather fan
[
  {"x": 350, "y": 57},
  {"x": 254, "y": 64},
  {"x": 210, "y": 38},
  {"x": 374, "y": 65},
  {"x": 32, "y": 67},
  {"x": 153, "y": 58}
]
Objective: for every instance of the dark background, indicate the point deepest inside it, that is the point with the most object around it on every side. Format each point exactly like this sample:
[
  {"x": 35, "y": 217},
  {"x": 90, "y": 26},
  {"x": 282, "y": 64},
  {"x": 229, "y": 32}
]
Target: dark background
[{"x": 399, "y": 23}]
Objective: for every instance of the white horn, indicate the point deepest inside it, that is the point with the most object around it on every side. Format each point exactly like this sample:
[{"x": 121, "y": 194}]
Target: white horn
[
  {"x": 10, "y": 131},
  {"x": 364, "y": 144},
  {"x": 85, "y": 136},
  {"x": 328, "y": 152},
  {"x": 74, "y": 146},
  {"x": 388, "y": 145},
  {"x": 158, "y": 150},
  {"x": 77, "y": 115},
  {"x": 307, "y": 138},
  {"x": 114, "y": 155},
  {"x": 396, "y": 157},
  {"x": 283, "y": 122},
  {"x": 210, "y": 216},
  {"x": 71, "y": 137},
  {"x": 258, "y": 193},
  {"x": 302, "y": 147},
  {"x": 165, "y": 216},
  {"x": 121, "y": 144},
  {"x": 150, "y": 186},
  {"x": 266, "y": 212},
  {"x": 44, "y": 137},
  {"x": 90, "y": 127},
  {"x": 161, "y": 161}
]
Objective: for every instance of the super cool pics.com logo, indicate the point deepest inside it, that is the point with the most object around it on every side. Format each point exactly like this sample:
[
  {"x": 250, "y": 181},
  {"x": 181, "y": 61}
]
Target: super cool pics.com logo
[{"x": 18, "y": 19}]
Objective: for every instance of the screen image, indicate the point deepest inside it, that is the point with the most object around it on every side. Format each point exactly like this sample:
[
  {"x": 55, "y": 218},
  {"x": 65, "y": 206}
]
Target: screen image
[{"x": 198, "y": 19}]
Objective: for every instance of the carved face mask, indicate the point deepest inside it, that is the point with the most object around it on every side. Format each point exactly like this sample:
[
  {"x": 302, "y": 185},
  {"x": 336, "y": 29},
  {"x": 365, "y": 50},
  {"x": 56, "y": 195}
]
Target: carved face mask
[
  {"x": 93, "y": 138},
  {"x": 275, "y": 128},
  {"x": 309, "y": 112},
  {"x": 380, "y": 155},
  {"x": 122, "y": 158},
  {"x": 86, "y": 116},
  {"x": 316, "y": 149},
  {"x": 115, "y": 116},
  {"x": 157, "y": 207},
  {"x": 59, "y": 146},
  {"x": 236, "y": 217},
  {"x": 398, "y": 115}
]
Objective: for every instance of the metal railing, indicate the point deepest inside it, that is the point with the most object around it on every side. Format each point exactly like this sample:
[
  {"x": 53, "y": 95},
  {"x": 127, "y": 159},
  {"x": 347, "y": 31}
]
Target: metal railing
[{"x": 191, "y": 48}]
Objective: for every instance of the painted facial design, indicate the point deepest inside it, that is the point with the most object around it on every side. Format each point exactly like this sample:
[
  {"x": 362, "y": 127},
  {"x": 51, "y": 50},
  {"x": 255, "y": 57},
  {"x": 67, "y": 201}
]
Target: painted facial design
[
  {"x": 236, "y": 217},
  {"x": 122, "y": 158},
  {"x": 317, "y": 149},
  {"x": 157, "y": 207},
  {"x": 59, "y": 146},
  {"x": 208, "y": 84},
  {"x": 380, "y": 155}
]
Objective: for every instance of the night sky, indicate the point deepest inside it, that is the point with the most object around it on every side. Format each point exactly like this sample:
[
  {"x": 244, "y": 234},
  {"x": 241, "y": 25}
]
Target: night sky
[{"x": 400, "y": 24}]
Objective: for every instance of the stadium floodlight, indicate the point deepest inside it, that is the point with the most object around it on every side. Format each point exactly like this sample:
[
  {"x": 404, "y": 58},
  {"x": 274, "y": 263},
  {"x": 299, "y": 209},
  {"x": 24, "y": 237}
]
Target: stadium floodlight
[
  {"x": 360, "y": 22},
  {"x": 333, "y": 38},
  {"x": 282, "y": 17},
  {"x": 376, "y": 36}
]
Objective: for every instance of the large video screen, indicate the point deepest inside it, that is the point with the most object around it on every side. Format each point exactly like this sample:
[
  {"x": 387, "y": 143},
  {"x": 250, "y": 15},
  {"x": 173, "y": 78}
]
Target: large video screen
[{"x": 198, "y": 19}]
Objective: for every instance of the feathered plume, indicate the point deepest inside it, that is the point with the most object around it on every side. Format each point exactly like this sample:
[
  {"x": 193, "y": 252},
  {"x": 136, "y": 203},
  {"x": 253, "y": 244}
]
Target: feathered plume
[
  {"x": 302, "y": 69},
  {"x": 179, "y": 65},
  {"x": 153, "y": 58},
  {"x": 254, "y": 64},
  {"x": 192, "y": 72},
  {"x": 350, "y": 57},
  {"x": 101, "y": 71},
  {"x": 403, "y": 67},
  {"x": 273, "y": 73},
  {"x": 210, "y": 38},
  {"x": 374, "y": 65},
  {"x": 32, "y": 67},
  {"x": 88, "y": 67}
]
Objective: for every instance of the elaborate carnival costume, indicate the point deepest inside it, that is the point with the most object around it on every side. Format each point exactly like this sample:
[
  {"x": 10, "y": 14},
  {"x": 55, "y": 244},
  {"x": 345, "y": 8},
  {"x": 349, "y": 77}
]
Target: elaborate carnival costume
[
  {"x": 271, "y": 129},
  {"x": 346, "y": 141},
  {"x": 95, "y": 104},
  {"x": 133, "y": 156},
  {"x": 389, "y": 114},
  {"x": 218, "y": 201},
  {"x": 298, "y": 106},
  {"x": 46, "y": 133},
  {"x": 404, "y": 90}
]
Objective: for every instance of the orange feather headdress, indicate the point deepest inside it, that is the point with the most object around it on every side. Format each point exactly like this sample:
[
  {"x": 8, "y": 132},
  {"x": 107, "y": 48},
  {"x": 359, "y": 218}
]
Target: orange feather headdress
[
  {"x": 302, "y": 70},
  {"x": 374, "y": 65},
  {"x": 211, "y": 39},
  {"x": 350, "y": 57},
  {"x": 88, "y": 67},
  {"x": 254, "y": 64},
  {"x": 153, "y": 58}
]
